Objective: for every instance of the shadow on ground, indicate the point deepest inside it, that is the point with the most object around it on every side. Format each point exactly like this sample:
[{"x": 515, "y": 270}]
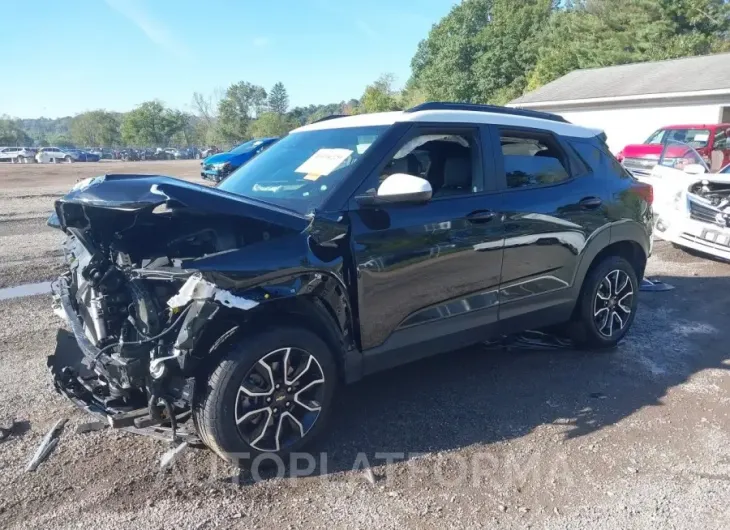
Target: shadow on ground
[{"x": 481, "y": 396}]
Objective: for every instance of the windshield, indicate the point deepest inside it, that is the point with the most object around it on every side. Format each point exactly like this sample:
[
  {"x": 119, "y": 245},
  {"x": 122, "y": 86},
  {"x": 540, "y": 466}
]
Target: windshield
[
  {"x": 697, "y": 138},
  {"x": 678, "y": 155},
  {"x": 300, "y": 170},
  {"x": 244, "y": 147}
]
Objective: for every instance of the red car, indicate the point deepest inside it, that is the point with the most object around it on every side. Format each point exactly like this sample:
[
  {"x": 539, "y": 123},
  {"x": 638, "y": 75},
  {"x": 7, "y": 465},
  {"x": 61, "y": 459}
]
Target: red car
[{"x": 710, "y": 141}]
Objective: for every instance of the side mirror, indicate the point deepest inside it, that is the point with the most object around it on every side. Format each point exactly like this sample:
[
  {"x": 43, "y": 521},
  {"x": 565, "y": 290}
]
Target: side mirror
[
  {"x": 694, "y": 169},
  {"x": 400, "y": 188}
]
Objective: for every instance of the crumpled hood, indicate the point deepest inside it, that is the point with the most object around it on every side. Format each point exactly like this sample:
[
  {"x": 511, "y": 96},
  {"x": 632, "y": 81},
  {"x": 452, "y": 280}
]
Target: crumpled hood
[{"x": 143, "y": 193}]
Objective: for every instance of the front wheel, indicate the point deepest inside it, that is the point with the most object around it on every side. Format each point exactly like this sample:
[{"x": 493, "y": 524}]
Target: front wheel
[
  {"x": 607, "y": 304},
  {"x": 68, "y": 159},
  {"x": 271, "y": 393}
]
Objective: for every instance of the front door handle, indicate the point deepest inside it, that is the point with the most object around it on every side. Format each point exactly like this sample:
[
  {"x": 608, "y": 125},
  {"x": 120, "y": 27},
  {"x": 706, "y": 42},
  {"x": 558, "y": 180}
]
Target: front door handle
[
  {"x": 590, "y": 203},
  {"x": 480, "y": 216}
]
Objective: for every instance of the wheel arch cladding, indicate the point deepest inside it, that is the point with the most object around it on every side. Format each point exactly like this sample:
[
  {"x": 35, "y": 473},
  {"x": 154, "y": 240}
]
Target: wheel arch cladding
[
  {"x": 630, "y": 250},
  {"x": 314, "y": 301}
]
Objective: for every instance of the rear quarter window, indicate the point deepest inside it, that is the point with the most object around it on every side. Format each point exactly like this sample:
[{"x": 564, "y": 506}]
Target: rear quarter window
[{"x": 599, "y": 159}]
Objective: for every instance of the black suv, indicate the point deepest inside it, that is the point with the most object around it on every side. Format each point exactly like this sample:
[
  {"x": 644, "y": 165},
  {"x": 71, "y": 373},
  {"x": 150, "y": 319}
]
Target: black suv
[{"x": 352, "y": 245}]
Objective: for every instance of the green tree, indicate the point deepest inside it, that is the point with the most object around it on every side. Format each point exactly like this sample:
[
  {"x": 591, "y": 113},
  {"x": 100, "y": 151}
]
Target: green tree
[
  {"x": 271, "y": 124},
  {"x": 509, "y": 46},
  {"x": 190, "y": 132},
  {"x": 238, "y": 108},
  {"x": 11, "y": 133},
  {"x": 97, "y": 128},
  {"x": 60, "y": 140},
  {"x": 596, "y": 33},
  {"x": 442, "y": 66},
  {"x": 380, "y": 96},
  {"x": 278, "y": 99},
  {"x": 151, "y": 124}
]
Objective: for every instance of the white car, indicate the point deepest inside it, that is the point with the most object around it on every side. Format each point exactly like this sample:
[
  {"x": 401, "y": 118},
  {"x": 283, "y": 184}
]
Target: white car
[
  {"x": 53, "y": 154},
  {"x": 691, "y": 205},
  {"x": 17, "y": 155}
]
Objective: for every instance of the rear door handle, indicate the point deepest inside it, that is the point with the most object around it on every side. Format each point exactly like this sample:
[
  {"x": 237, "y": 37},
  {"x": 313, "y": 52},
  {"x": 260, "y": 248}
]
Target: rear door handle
[
  {"x": 590, "y": 203},
  {"x": 480, "y": 216}
]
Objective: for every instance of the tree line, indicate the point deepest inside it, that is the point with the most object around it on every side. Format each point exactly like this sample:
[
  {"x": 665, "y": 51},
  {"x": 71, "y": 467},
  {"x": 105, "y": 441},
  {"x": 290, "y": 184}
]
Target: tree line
[{"x": 482, "y": 51}]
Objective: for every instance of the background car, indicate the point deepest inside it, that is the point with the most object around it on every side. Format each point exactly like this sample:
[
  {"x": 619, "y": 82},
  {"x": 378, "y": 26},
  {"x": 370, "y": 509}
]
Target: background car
[
  {"x": 691, "y": 204},
  {"x": 80, "y": 155},
  {"x": 710, "y": 141},
  {"x": 208, "y": 151},
  {"x": 174, "y": 153},
  {"x": 53, "y": 154},
  {"x": 17, "y": 155},
  {"x": 217, "y": 167},
  {"x": 128, "y": 155}
]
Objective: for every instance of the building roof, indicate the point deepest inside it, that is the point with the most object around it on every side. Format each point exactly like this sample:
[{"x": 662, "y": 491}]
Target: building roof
[
  {"x": 654, "y": 80},
  {"x": 451, "y": 116}
]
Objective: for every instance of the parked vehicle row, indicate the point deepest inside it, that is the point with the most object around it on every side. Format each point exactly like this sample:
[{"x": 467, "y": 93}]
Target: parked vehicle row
[{"x": 24, "y": 155}]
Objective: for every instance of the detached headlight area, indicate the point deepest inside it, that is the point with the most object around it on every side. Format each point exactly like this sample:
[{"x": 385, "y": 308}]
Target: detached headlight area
[{"x": 221, "y": 166}]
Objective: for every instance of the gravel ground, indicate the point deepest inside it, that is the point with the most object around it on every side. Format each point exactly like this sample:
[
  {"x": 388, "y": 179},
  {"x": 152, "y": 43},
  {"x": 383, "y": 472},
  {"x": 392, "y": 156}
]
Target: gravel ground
[{"x": 634, "y": 438}]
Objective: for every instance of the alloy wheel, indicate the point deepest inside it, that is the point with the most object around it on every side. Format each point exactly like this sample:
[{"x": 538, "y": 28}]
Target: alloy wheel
[
  {"x": 279, "y": 399},
  {"x": 612, "y": 306}
]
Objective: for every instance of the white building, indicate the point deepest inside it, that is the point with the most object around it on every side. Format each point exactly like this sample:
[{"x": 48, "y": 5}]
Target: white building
[{"x": 631, "y": 101}]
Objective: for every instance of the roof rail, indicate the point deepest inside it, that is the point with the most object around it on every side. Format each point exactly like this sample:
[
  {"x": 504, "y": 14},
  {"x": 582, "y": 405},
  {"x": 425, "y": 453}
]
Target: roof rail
[
  {"x": 330, "y": 117},
  {"x": 438, "y": 105}
]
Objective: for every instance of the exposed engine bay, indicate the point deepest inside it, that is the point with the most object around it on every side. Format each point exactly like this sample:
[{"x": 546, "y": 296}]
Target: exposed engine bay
[
  {"x": 140, "y": 294},
  {"x": 715, "y": 195},
  {"x": 141, "y": 320}
]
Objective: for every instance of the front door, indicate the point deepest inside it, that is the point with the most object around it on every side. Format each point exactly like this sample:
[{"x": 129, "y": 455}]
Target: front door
[{"x": 430, "y": 270}]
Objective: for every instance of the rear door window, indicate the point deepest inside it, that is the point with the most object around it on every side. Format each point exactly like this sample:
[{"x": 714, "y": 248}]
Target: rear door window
[{"x": 532, "y": 159}]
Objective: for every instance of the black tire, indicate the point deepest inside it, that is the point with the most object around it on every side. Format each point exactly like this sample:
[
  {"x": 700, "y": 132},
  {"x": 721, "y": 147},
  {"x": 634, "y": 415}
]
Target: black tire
[
  {"x": 217, "y": 402},
  {"x": 587, "y": 329},
  {"x": 68, "y": 159}
]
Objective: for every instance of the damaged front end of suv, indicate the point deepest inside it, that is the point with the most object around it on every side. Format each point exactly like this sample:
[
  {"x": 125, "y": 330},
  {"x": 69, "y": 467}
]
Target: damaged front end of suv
[{"x": 160, "y": 273}]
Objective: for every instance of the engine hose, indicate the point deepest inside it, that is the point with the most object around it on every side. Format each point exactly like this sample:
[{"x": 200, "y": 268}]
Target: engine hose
[{"x": 141, "y": 342}]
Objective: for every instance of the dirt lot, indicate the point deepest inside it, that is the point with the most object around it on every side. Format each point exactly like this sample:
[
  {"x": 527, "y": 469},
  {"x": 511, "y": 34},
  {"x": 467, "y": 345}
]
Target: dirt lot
[{"x": 634, "y": 438}]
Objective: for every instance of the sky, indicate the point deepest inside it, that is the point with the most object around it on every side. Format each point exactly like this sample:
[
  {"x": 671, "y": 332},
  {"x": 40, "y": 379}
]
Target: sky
[{"x": 78, "y": 55}]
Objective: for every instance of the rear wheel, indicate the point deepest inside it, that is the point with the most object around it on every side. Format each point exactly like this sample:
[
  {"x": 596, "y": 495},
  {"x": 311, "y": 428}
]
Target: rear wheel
[
  {"x": 271, "y": 393},
  {"x": 607, "y": 304}
]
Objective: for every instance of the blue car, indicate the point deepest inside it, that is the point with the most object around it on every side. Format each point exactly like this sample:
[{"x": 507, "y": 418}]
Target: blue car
[
  {"x": 217, "y": 167},
  {"x": 79, "y": 155}
]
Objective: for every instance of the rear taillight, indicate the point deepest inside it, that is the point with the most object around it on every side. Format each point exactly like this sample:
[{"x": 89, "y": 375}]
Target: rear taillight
[{"x": 645, "y": 191}]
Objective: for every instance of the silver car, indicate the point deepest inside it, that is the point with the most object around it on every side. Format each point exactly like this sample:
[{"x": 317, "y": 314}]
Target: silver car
[{"x": 17, "y": 155}]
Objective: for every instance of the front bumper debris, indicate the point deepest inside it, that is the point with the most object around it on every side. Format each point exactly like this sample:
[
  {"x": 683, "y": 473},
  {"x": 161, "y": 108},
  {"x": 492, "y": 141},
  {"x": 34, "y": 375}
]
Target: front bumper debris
[{"x": 78, "y": 376}]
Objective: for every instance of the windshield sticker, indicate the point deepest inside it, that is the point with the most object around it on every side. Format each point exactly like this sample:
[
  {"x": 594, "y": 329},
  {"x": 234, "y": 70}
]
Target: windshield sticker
[
  {"x": 323, "y": 162},
  {"x": 702, "y": 137}
]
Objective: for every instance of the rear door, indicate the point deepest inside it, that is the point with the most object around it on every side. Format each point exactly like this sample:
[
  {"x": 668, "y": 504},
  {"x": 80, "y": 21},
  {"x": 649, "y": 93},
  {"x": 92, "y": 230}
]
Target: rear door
[
  {"x": 552, "y": 205},
  {"x": 429, "y": 271}
]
